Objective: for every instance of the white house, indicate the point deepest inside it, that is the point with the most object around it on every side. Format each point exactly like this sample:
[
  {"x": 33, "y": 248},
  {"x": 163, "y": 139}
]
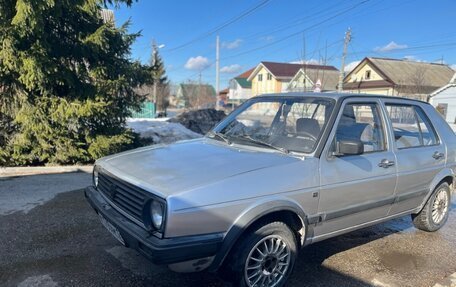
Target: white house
[
  {"x": 310, "y": 77},
  {"x": 444, "y": 100},
  {"x": 240, "y": 89}
]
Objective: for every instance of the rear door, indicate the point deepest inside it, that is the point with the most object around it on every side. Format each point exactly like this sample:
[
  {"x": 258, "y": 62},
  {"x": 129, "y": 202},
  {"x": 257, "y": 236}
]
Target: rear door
[
  {"x": 356, "y": 189},
  {"x": 420, "y": 154}
]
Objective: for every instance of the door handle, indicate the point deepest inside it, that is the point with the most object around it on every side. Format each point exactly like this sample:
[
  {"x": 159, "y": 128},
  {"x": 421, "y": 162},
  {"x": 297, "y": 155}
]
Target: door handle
[
  {"x": 386, "y": 163},
  {"x": 438, "y": 155}
]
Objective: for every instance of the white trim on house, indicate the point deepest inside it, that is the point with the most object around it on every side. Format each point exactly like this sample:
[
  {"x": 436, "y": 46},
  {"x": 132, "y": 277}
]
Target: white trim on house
[
  {"x": 257, "y": 69},
  {"x": 301, "y": 71},
  {"x": 438, "y": 91},
  {"x": 453, "y": 80}
]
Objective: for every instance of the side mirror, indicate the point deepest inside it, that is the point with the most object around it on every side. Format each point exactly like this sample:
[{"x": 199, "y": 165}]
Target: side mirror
[{"x": 349, "y": 147}]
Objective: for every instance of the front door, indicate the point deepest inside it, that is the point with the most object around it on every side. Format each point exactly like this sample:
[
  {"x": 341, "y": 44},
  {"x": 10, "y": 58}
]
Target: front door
[{"x": 356, "y": 189}]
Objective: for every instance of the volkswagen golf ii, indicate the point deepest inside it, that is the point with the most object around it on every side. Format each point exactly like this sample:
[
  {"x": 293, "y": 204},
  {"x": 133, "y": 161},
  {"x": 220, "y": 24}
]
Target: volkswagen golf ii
[{"x": 280, "y": 172}]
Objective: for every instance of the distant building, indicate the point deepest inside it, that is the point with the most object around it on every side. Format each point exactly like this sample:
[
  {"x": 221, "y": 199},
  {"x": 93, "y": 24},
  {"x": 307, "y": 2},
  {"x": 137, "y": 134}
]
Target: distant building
[
  {"x": 223, "y": 96},
  {"x": 107, "y": 16},
  {"x": 193, "y": 95},
  {"x": 240, "y": 88},
  {"x": 312, "y": 77},
  {"x": 395, "y": 77},
  {"x": 444, "y": 100},
  {"x": 271, "y": 77}
]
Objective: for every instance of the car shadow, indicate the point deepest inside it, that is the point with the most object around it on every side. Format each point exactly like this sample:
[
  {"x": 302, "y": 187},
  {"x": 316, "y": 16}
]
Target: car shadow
[{"x": 311, "y": 270}]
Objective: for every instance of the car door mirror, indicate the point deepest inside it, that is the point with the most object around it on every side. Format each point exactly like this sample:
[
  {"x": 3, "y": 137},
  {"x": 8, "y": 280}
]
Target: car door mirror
[{"x": 349, "y": 147}]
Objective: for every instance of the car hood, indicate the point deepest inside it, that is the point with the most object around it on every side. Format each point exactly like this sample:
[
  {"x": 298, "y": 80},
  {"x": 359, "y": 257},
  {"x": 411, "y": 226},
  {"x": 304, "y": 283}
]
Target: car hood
[{"x": 171, "y": 169}]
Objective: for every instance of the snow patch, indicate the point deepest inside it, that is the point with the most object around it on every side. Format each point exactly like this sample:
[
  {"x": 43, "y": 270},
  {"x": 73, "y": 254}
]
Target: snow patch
[{"x": 161, "y": 131}]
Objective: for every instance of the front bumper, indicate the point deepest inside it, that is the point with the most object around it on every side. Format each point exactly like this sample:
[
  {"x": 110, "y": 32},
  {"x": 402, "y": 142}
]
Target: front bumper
[{"x": 158, "y": 250}]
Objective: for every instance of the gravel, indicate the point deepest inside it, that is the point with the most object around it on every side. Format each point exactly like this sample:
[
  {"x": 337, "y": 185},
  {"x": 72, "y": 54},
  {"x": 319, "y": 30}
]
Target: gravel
[{"x": 61, "y": 241}]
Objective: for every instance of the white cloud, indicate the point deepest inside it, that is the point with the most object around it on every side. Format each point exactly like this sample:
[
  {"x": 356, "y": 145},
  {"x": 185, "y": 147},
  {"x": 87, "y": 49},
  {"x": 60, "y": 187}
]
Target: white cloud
[
  {"x": 309, "y": 62},
  {"x": 350, "y": 66},
  {"x": 232, "y": 45},
  {"x": 197, "y": 63},
  {"x": 414, "y": 59},
  {"x": 390, "y": 47},
  {"x": 267, "y": 38},
  {"x": 411, "y": 58},
  {"x": 231, "y": 69}
]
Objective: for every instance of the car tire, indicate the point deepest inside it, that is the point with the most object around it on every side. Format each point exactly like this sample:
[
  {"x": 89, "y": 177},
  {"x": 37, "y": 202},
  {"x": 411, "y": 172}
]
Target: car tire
[
  {"x": 269, "y": 251},
  {"x": 435, "y": 213}
]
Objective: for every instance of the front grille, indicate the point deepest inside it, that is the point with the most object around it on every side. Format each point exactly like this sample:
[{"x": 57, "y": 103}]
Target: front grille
[{"x": 127, "y": 197}]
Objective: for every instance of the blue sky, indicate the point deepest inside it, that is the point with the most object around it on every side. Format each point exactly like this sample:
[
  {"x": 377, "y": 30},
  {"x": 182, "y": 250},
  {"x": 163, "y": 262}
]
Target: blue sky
[{"x": 421, "y": 30}]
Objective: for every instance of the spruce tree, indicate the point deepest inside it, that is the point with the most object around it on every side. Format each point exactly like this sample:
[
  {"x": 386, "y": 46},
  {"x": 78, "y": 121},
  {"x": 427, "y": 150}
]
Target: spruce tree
[
  {"x": 66, "y": 82},
  {"x": 159, "y": 79}
]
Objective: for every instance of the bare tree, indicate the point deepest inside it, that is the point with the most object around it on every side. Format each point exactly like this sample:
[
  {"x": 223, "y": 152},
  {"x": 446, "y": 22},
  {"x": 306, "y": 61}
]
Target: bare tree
[
  {"x": 414, "y": 86},
  {"x": 197, "y": 95}
]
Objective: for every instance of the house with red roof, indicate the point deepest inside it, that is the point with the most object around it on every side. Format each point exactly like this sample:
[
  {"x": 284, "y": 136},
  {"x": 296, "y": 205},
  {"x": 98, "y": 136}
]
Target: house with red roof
[{"x": 272, "y": 77}]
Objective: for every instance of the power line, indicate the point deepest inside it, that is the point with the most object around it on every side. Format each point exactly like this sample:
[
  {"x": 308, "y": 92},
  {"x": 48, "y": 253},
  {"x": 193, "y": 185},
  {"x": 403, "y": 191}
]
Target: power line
[
  {"x": 299, "y": 32},
  {"x": 295, "y": 22},
  {"x": 425, "y": 47},
  {"x": 220, "y": 27}
]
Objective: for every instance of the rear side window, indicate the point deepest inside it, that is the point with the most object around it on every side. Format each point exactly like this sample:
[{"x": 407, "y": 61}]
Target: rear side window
[{"x": 411, "y": 126}]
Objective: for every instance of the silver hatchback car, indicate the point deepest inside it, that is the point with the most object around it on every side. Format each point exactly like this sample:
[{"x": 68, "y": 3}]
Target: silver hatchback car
[{"x": 280, "y": 172}]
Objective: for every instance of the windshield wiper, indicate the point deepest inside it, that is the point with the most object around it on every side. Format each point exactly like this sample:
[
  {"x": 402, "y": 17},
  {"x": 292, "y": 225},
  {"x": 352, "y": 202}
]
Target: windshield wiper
[
  {"x": 220, "y": 136},
  {"x": 262, "y": 143}
]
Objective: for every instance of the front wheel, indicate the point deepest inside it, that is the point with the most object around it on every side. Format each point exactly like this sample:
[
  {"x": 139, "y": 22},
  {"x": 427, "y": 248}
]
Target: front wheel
[
  {"x": 265, "y": 256},
  {"x": 435, "y": 213}
]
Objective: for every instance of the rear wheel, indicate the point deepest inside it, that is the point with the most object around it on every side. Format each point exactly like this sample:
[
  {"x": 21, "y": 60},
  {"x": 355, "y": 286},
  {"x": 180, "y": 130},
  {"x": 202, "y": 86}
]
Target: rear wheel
[
  {"x": 435, "y": 213},
  {"x": 264, "y": 257}
]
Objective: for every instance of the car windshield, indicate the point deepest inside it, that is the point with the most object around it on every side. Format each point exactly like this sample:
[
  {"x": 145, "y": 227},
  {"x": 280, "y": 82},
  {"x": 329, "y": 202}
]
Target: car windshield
[{"x": 284, "y": 124}]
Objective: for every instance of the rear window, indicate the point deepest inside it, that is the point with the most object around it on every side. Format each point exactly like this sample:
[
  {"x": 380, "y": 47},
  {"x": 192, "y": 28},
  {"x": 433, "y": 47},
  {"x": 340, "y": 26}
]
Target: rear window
[{"x": 411, "y": 126}]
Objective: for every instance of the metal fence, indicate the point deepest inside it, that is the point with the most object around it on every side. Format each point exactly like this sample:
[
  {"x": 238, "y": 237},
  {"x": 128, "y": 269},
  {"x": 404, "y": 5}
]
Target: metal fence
[{"x": 147, "y": 111}]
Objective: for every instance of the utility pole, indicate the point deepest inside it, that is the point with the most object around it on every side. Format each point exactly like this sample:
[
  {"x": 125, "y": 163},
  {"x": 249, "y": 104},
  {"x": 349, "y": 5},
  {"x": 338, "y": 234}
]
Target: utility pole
[
  {"x": 217, "y": 72},
  {"x": 198, "y": 95},
  {"x": 154, "y": 53},
  {"x": 342, "y": 66}
]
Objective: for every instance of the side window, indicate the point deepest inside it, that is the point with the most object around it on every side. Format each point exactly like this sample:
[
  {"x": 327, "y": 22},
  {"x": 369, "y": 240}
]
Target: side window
[
  {"x": 362, "y": 122},
  {"x": 427, "y": 131},
  {"x": 411, "y": 126}
]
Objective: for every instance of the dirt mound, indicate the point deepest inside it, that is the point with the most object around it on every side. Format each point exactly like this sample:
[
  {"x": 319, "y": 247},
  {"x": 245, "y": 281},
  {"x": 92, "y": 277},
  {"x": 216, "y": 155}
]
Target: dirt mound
[{"x": 199, "y": 121}]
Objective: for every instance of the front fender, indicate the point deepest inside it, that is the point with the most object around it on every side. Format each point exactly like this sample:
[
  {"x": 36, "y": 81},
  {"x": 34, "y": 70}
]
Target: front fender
[{"x": 253, "y": 213}]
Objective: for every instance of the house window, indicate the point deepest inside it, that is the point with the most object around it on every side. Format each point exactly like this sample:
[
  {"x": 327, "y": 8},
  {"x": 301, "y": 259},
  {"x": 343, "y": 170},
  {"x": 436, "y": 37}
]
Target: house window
[
  {"x": 260, "y": 77},
  {"x": 367, "y": 76},
  {"x": 269, "y": 76}
]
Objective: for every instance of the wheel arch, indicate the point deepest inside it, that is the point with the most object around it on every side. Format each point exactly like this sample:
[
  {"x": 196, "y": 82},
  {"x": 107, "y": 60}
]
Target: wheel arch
[
  {"x": 286, "y": 211},
  {"x": 445, "y": 175}
]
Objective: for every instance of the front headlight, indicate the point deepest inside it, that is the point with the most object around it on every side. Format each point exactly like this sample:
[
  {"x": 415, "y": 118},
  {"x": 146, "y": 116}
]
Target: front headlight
[
  {"x": 156, "y": 212},
  {"x": 95, "y": 176}
]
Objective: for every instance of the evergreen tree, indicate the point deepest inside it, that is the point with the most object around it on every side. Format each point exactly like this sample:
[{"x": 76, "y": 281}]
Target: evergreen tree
[
  {"x": 159, "y": 79},
  {"x": 66, "y": 82}
]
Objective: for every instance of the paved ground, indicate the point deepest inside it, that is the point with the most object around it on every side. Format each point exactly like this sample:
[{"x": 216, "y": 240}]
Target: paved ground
[{"x": 50, "y": 237}]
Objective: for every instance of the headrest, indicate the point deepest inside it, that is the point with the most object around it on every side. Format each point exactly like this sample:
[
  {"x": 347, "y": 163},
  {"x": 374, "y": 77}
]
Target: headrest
[{"x": 308, "y": 125}]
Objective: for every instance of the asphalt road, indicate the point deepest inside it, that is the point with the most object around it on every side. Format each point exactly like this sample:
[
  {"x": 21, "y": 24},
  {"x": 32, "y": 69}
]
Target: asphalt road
[{"x": 51, "y": 237}]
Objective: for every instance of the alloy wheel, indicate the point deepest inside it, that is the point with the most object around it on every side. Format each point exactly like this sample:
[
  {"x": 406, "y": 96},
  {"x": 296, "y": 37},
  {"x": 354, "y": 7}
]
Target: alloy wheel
[
  {"x": 440, "y": 206},
  {"x": 267, "y": 262}
]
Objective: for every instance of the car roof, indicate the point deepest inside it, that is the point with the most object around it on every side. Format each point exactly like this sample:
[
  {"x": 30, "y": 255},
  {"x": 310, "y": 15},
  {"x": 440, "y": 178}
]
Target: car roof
[{"x": 334, "y": 96}]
